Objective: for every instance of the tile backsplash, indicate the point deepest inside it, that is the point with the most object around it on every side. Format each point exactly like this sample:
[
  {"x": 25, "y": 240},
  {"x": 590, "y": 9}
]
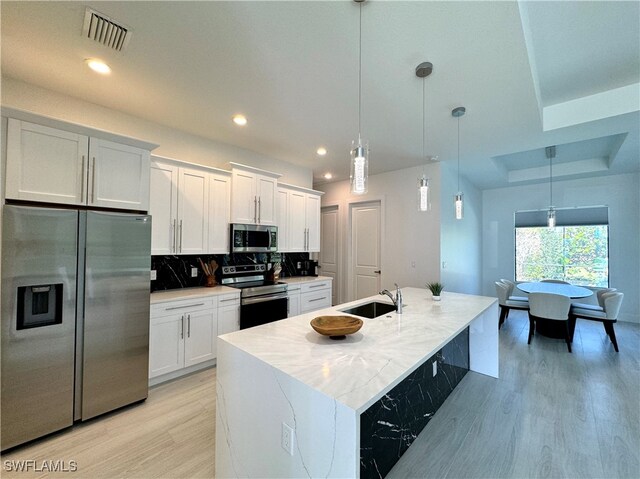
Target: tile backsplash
[{"x": 174, "y": 272}]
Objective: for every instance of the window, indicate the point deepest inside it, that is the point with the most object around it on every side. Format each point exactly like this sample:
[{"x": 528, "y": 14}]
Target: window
[{"x": 578, "y": 254}]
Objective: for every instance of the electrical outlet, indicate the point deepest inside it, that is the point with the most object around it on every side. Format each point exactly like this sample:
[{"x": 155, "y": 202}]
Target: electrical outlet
[
  {"x": 194, "y": 272},
  {"x": 154, "y": 274},
  {"x": 435, "y": 368},
  {"x": 287, "y": 438}
]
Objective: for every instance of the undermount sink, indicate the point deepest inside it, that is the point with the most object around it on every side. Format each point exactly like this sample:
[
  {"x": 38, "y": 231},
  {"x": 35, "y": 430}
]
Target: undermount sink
[{"x": 370, "y": 310}]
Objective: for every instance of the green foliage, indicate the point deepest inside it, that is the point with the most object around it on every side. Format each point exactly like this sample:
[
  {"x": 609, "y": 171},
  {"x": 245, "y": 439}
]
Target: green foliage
[
  {"x": 577, "y": 254},
  {"x": 435, "y": 288}
]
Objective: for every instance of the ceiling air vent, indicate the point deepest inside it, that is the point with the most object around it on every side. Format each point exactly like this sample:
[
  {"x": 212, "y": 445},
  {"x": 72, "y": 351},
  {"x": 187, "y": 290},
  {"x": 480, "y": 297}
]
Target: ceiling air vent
[{"x": 104, "y": 30}]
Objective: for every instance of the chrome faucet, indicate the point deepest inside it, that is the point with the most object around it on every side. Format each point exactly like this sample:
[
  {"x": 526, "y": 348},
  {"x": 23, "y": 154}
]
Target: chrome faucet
[{"x": 397, "y": 301}]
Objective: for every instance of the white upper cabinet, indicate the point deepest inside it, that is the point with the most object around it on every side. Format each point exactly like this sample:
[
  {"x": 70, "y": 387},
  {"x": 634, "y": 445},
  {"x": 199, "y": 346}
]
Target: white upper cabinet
[
  {"x": 118, "y": 175},
  {"x": 253, "y": 195},
  {"x": 281, "y": 214},
  {"x": 54, "y": 165},
  {"x": 299, "y": 211},
  {"x": 193, "y": 210},
  {"x": 219, "y": 212},
  {"x": 163, "y": 207},
  {"x": 179, "y": 205}
]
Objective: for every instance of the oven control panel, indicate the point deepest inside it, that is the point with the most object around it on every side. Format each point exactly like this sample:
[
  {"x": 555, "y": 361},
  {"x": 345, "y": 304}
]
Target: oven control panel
[{"x": 248, "y": 268}]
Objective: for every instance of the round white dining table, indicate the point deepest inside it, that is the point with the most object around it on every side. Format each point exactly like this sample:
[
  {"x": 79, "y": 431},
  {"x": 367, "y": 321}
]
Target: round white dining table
[{"x": 557, "y": 288}]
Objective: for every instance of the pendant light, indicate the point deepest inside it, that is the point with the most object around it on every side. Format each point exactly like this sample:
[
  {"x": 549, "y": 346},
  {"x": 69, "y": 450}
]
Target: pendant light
[
  {"x": 359, "y": 149},
  {"x": 422, "y": 71},
  {"x": 551, "y": 214},
  {"x": 457, "y": 113}
]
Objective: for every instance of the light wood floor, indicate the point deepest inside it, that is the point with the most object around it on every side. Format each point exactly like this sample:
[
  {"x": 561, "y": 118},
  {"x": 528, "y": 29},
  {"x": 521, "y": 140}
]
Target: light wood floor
[{"x": 551, "y": 414}]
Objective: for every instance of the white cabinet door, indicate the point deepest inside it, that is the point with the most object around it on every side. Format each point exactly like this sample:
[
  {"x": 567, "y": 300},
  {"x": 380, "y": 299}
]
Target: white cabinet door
[
  {"x": 283, "y": 217},
  {"x": 266, "y": 190},
  {"x": 244, "y": 198},
  {"x": 200, "y": 336},
  {"x": 316, "y": 300},
  {"x": 46, "y": 164},
  {"x": 229, "y": 318},
  {"x": 219, "y": 198},
  {"x": 118, "y": 175},
  {"x": 312, "y": 216},
  {"x": 193, "y": 207},
  {"x": 294, "y": 302},
  {"x": 166, "y": 345},
  {"x": 163, "y": 208},
  {"x": 297, "y": 232}
]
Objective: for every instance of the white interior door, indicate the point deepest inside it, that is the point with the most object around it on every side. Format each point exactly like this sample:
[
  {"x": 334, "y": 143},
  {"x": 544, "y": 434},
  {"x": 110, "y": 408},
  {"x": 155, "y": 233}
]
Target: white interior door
[
  {"x": 329, "y": 248},
  {"x": 365, "y": 249}
]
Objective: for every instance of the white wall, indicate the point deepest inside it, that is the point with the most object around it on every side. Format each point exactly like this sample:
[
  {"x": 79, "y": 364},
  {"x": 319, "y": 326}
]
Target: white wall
[
  {"x": 621, "y": 193},
  {"x": 461, "y": 240},
  {"x": 409, "y": 236},
  {"x": 173, "y": 143}
]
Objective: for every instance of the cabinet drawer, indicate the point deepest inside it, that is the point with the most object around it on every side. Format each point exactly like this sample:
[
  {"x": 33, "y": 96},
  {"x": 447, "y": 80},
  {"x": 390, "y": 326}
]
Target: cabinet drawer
[
  {"x": 315, "y": 300},
  {"x": 315, "y": 286},
  {"x": 182, "y": 305},
  {"x": 230, "y": 299}
]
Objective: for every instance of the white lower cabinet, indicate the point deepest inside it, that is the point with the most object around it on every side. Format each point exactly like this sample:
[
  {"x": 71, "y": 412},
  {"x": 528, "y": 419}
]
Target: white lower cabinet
[
  {"x": 228, "y": 313},
  {"x": 181, "y": 334},
  {"x": 294, "y": 301},
  {"x": 309, "y": 296}
]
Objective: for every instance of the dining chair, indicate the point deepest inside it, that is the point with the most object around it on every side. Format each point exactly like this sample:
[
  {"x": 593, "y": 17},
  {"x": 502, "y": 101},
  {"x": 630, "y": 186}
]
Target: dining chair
[
  {"x": 594, "y": 307},
  {"x": 512, "y": 287},
  {"x": 549, "y": 306},
  {"x": 611, "y": 307},
  {"x": 506, "y": 304},
  {"x": 555, "y": 281}
]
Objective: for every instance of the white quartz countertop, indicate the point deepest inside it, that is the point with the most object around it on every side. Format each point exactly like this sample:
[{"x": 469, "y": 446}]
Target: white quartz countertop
[
  {"x": 356, "y": 371},
  {"x": 190, "y": 293},
  {"x": 304, "y": 279}
]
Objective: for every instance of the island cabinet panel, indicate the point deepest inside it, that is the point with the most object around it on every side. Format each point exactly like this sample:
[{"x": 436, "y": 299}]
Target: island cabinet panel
[{"x": 390, "y": 425}]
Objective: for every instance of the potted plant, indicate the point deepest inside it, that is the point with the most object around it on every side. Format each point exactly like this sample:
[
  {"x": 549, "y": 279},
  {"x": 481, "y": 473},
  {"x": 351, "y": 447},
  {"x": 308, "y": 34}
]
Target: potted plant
[{"x": 435, "y": 288}]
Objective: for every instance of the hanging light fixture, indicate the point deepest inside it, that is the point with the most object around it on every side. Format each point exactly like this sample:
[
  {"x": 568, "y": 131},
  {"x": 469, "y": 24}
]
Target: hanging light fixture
[
  {"x": 457, "y": 113},
  {"x": 551, "y": 214},
  {"x": 359, "y": 149},
  {"x": 422, "y": 71}
]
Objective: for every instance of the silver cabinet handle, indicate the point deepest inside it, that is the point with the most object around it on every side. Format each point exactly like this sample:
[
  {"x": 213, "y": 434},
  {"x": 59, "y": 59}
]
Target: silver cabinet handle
[
  {"x": 83, "y": 181},
  {"x": 307, "y": 238},
  {"x": 93, "y": 181},
  {"x": 180, "y": 236},
  {"x": 172, "y": 228},
  {"x": 316, "y": 285},
  {"x": 255, "y": 209},
  {"x": 317, "y": 299},
  {"x": 296, "y": 289},
  {"x": 185, "y": 306},
  {"x": 229, "y": 299},
  {"x": 188, "y": 325},
  {"x": 182, "y": 327},
  {"x": 259, "y": 208}
]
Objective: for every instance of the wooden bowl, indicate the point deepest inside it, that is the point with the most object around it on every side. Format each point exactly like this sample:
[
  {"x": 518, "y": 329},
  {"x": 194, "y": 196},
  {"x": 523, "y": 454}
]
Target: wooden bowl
[{"x": 336, "y": 327}]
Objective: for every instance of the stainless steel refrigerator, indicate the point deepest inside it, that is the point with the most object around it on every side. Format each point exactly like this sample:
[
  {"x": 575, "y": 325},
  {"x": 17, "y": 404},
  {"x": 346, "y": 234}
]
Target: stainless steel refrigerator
[{"x": 75, "y": 317}]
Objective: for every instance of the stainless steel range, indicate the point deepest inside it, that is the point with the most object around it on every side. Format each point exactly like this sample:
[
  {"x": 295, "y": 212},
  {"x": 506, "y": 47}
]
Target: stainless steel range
[{"x": 261, "y": 301}]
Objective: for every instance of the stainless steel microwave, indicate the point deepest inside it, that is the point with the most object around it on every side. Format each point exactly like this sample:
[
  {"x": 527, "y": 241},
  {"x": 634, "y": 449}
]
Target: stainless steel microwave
[{"x": 253, "y": 238}]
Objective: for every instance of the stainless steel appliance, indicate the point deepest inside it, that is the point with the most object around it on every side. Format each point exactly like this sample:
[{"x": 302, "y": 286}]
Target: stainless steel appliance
[
  {"x": 253, "y": 238},
  {"x": 261, "y": 301},
  {"x": 75, "y": 317}
]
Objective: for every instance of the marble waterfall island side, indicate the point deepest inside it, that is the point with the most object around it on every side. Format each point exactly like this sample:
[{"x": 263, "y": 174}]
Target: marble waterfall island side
[{"x": 354, "y": 405}]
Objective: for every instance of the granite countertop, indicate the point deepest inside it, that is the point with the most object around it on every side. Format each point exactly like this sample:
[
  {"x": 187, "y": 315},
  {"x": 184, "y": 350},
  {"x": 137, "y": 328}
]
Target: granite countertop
[
  {"x": 190, "y": 293},
  {"x": 303, "y": 279},
  {"x": 356, "y": 370}
]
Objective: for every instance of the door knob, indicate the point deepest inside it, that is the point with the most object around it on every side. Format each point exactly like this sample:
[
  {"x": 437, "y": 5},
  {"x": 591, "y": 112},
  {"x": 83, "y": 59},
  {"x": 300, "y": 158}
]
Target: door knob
[{"x": 377, "y": 271}]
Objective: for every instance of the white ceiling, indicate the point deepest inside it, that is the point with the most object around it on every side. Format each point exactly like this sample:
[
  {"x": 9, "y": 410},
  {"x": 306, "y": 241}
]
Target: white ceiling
[{"x": 292, "y": 69}]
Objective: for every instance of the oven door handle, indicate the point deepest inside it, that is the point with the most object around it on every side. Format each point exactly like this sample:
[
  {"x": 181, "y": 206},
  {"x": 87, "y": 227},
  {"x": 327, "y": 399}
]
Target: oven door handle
[{"x": 262, "y": 299}]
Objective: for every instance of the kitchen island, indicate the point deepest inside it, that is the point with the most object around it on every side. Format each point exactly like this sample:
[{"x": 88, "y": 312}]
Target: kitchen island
[{"x": 353, "y": 406}]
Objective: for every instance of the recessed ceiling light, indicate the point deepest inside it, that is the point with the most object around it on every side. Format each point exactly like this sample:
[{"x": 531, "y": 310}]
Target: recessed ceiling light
[
  {"x": 321, "y": 151},
  {"x": 240, "y": 120},
  {"x": 98, "y": 66},
  {"x": 328, "y": 176}
]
